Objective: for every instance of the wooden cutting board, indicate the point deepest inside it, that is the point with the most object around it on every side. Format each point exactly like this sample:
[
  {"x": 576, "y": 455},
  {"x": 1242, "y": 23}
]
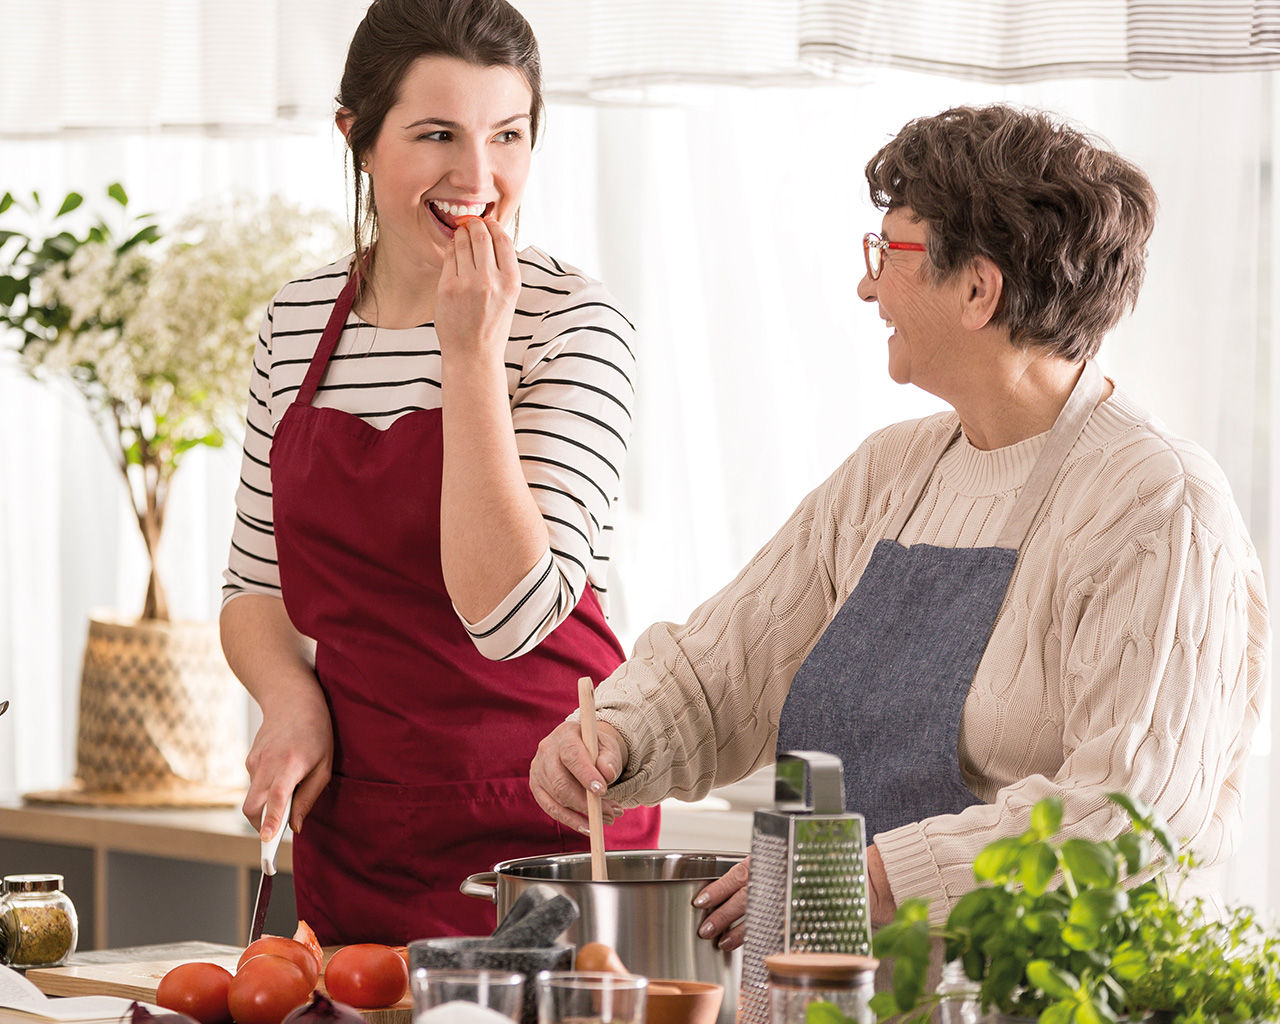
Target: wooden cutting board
[{"x": 138, "y": 980}]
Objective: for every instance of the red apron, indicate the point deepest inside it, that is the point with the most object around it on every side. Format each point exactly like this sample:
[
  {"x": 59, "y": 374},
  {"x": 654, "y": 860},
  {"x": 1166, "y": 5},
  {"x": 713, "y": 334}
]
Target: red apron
[{"x": 432, "y": 741}]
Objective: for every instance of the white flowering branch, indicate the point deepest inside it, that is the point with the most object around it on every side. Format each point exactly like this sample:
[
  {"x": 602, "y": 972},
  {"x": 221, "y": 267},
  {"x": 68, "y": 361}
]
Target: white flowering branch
[{"x": 157, "y": 333}]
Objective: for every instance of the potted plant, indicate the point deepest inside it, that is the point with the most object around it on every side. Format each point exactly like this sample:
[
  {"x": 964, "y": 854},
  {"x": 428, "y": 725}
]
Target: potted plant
[
  {"x": 155, "y": 331},
  {"x": 1087, "y": 931}
]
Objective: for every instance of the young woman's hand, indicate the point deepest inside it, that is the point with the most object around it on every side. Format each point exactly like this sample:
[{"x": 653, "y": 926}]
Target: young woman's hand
[
  {"x": 291, "y": 753},
  {"x": 476, "y": 297}
]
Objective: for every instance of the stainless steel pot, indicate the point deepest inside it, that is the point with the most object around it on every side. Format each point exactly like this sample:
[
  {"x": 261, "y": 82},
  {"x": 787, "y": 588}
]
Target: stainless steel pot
[{"x": 645, "y": 910}]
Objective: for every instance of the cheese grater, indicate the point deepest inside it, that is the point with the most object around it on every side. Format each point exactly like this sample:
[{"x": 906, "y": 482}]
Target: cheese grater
[{"x": 808, "y": 885}]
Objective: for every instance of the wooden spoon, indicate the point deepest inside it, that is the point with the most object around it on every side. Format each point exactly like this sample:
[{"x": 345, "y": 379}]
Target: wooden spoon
[{"x": 595, "y": 818}]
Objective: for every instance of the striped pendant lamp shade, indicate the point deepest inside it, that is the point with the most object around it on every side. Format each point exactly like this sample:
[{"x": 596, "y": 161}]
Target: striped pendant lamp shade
[
  {"x": 260, "y": 65},
  {"x": 600, "y": 48},
  {"x": 1029, "y": 40}
]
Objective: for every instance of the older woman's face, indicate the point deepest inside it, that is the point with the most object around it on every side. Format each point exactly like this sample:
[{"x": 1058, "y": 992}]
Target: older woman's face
[{"x": 924, "y": 316}]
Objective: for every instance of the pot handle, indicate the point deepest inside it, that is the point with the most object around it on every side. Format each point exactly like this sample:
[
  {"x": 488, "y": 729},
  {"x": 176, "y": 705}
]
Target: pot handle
[{"x": 483, "y": 885}]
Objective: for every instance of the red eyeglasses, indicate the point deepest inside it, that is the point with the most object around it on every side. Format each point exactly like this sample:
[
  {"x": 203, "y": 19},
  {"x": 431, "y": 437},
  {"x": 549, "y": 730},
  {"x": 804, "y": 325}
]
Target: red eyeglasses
[{"x": 874, "y": 248}]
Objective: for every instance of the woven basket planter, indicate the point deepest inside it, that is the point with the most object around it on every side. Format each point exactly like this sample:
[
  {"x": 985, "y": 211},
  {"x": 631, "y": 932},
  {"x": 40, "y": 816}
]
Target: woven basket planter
[{"x": 162, "y": 719}]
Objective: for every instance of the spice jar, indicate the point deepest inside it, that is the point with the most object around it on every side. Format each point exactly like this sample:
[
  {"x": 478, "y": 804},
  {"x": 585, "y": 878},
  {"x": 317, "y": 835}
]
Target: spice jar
[
  {"x": 38, "y": 926},
  {"x": 799, "y": 979}
]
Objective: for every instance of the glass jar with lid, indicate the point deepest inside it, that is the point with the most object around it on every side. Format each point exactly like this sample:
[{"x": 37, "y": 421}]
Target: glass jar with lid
[
  {"x": 798, "y": 979},
  {"x": 38, "y": 924}
]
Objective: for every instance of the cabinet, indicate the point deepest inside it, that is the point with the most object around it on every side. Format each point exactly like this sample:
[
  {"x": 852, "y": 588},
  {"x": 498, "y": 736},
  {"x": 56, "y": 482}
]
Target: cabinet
[{"x": 139, "y": 877}]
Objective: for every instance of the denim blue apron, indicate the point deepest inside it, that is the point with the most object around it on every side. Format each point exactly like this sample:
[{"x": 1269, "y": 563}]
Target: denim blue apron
[{"x": 884, "y": 687}]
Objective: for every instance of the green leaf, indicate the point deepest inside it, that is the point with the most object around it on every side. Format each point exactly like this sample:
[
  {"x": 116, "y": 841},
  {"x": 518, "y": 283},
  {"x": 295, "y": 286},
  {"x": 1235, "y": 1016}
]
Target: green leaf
[
  {"x": 1090, "y": 863},
  {"x": 884, "y": 1005},
  {"x": 1078, "y": 936},
  {"x": 149, "y": 234},
  {"x": 997, "y": 859},
  {"x": 908, "y": 982},
  {"x": 1164, "y": 837},
  {"x": 820, "y": 1012},
  {"x": 72, "y": 200},
  {"x": 1051, "y": 980},
  {"x": 1139, "y": 810},
  {"x": 1095, "y": 907},
  {"x": 1130, "y": 963},
  {"x": 6, "y": 201},
  {"x": 1058, "y": 1013},
  {"x": 1087, "y": 1013},
  {"x": 1136, "y": 851},
  {"x": 1040, "y": 923},
  {"x": 1046, "y": 816},
  {"x": 1036, "y": 867},
  {"x": 968, "y": 907},
  {"x": 116, "y": 191}
]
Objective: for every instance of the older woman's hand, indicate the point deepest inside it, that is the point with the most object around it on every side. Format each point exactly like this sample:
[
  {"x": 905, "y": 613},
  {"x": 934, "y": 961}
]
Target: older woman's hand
[
  {"x": 562, "y": 772},
  {"x": 725, "y": 903}
]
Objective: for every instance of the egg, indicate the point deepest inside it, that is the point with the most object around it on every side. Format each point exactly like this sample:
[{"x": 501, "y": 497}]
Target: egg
[{"x": 596, "y": 956}]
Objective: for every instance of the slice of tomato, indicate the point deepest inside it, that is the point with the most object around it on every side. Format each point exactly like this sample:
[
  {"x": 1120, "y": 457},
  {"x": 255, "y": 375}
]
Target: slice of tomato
[{"x": 307, "y": 937}]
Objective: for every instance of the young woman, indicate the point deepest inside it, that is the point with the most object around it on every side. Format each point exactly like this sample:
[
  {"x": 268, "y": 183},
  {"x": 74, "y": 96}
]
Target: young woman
[{"x": 436, "y": 429}]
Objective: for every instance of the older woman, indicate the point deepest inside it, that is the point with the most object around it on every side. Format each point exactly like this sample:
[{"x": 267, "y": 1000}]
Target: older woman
[{"x": 1041, "y": 592}]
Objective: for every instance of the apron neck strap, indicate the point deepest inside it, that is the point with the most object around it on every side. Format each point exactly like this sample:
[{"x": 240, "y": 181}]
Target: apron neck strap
[
  {"x": 1067, "y": 429},
  {"x": 1065, "y": 432},
  {"x": 328, "y": 340}
]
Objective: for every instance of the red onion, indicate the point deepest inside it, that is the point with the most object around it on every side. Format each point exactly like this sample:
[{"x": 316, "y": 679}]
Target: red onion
[
  {"x": 323, "y": 1010},
  {"x": 139, "y": 1014}
]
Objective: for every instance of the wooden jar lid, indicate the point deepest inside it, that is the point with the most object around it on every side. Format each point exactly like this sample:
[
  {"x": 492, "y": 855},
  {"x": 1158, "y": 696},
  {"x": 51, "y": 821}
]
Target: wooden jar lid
[{"x": 820, "y": 966}]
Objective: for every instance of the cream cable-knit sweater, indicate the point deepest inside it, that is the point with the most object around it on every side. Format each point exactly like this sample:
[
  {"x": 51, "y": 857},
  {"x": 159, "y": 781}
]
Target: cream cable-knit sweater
[{"x": 1130, "y": 654}]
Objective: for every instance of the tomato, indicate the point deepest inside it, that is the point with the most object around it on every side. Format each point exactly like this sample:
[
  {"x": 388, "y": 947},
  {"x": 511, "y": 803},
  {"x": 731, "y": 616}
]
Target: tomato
[
  {"x": 596, "y": 956},
  {"x": 290, "y": 949},
  {"x": 366, "y": 975},
  {"x": 307, "y": 937},
  {"x": 199, "y": 990},
  {"x": 266, "y": 988}
]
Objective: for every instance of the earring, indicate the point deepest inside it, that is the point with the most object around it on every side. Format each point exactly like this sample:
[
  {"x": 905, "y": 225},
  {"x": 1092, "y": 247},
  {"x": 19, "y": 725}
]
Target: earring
[{"x": 364, "y": 165}]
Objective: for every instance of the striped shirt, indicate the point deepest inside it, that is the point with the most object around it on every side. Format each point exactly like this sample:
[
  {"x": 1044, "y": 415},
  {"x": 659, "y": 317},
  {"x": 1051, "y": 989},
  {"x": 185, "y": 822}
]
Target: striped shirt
[{"x": 570, "y": 372}]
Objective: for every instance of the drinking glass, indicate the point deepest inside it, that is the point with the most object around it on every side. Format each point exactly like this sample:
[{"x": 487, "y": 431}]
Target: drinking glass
[
  {"x": 590, "y": 997},
  {"x": 499, "y": 991}
]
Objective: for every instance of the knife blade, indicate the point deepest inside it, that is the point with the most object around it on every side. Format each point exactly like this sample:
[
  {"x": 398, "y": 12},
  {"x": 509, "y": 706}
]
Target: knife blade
[{"x": 268, "y": 865}]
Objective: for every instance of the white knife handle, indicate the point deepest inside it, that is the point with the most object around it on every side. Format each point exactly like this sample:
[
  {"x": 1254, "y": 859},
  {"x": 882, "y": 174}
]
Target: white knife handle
[{"x": 270, "y": 846}]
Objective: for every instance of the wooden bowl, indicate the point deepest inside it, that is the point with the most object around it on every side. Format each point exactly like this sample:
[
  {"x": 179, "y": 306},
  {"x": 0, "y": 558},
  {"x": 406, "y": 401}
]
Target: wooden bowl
[{"x": 696, "y": 1002}]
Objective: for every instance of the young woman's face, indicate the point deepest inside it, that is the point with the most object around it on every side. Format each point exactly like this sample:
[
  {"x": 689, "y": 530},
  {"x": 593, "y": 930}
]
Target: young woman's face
[{"x": 455, "y": 143}]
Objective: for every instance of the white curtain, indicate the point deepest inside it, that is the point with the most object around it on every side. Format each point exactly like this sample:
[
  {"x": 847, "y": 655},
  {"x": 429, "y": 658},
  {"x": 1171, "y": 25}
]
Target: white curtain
[
  {"x": 178, "y": 65},
  {"x": 727, "y": 221}
]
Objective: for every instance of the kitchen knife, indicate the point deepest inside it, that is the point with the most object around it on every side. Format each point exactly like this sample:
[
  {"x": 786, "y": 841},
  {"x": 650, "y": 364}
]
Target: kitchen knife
[{"x": 268, "y": 863}]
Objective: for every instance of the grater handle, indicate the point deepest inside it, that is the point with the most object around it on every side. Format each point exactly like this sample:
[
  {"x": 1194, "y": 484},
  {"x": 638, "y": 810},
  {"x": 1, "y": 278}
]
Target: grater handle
[{"x": 824, "y": 775}]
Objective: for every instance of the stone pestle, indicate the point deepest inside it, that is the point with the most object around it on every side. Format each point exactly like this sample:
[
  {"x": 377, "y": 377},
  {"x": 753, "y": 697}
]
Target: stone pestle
[{"x": 535, "y": 920}]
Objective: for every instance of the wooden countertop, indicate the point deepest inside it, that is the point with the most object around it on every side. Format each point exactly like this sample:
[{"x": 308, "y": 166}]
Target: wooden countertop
[{"x": 211, "y": 836}]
